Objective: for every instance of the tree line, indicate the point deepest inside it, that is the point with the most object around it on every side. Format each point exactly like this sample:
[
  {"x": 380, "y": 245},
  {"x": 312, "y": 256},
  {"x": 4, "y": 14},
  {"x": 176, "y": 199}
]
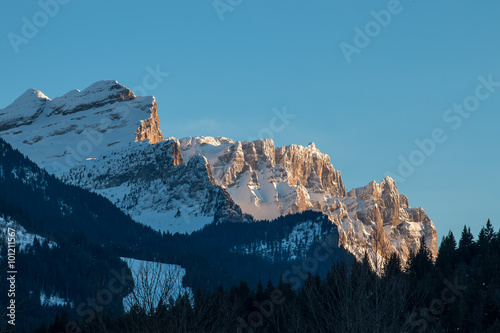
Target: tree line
[{"x": 459, "y": 291}]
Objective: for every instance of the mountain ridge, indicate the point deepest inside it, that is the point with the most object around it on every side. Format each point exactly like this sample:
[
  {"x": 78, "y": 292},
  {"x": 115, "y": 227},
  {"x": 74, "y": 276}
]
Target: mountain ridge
[
  {"x": 263, "y": 180},
  {"x": 78, "y": 125}
]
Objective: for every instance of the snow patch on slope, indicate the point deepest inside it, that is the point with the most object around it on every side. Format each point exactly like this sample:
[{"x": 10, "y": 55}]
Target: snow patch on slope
[
  {"x": 295, "y": 245},
  {"x": 24, "y": 239},
  {"x": 154, "y": 281},
  {"x": 54, "y": 300}
]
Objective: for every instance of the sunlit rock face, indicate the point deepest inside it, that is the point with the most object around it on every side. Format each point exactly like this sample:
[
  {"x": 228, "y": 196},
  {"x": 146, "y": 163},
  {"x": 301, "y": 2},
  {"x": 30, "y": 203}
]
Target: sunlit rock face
[{"x": 267, "y": 182}]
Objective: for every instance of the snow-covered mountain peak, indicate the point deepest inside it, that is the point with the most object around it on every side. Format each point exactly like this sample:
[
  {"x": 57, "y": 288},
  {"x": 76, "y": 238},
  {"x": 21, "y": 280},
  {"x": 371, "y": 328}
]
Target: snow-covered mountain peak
[
  {"x": 59, "y": 133},
  {"x": 96, "y": 95},
  {"x": 191, "y": 142},
  {"x": 31, "y": 94},
  {"x": 24, "y": 110},
  {"x": 104, "y": 85},
  {"x": 266, "y": 181}
]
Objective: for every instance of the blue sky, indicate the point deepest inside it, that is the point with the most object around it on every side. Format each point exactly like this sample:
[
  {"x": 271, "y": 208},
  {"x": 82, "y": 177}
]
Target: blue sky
[{"x": 229, "y": 70}]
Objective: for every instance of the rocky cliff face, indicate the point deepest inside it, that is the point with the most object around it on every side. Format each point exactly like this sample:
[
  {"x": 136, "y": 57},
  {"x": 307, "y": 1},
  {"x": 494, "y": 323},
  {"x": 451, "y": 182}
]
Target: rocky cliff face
[
  {"x": 308, "y": 167},
  {"x": 383, "y": 203},
  {"x": 150, "y": 128},
  {"x": 395, "y": 226},
  {"x": 267, "y": 182}
]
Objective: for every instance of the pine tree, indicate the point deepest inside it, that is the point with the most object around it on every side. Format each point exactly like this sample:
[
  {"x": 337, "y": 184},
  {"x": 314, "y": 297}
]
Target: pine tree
[
  {"x": 393, "y": 266},
  {"x": 447, "y": 257},
  {"x": 466, "y": 245},
  {"x": 486, "y": 236},
  {"x": 421, "y": 264}
]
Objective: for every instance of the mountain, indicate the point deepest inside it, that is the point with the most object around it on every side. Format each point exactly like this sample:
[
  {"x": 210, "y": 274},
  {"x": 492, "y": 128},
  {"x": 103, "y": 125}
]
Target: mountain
[
  {"x": 59, "y": 133},
  {"x": 379, "y": 206},
  {"x": 268, "y": 181},
  {"x": 265, "y": 181},
  {"x": 108, "y": 140}
]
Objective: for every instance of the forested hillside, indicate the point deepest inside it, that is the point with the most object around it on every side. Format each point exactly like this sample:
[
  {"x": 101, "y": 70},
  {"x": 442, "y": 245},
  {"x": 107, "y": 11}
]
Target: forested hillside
[{"x": 460, "y": 292}]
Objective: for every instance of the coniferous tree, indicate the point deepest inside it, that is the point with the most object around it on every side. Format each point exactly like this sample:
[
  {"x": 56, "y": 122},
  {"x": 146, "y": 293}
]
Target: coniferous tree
[
  {"x": 486, "y": 236},
  {"x": 393, "y": 267},
  {"x": 466, "y": 245},
  {"x": 421, "y": 263},
  {"x": 447, "y": 256}
]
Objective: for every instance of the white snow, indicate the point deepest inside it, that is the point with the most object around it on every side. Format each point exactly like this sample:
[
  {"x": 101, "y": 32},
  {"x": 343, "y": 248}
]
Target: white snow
[
  {"x": 53, "y": 300},
  {"x": 24, "y": 107},
  {"x": 153, "y": 281}
]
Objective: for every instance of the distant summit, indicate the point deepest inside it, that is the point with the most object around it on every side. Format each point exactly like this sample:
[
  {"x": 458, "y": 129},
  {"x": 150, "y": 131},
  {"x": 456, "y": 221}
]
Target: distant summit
[{"x": 59, "y": 133}]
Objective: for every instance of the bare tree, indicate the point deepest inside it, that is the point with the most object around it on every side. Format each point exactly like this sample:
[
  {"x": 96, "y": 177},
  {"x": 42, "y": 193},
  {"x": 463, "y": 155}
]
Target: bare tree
[{"x": 154, "y": 282}]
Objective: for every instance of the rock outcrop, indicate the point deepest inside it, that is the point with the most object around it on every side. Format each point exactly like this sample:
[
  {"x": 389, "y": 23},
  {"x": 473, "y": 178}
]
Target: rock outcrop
[
  {"x": 308, "y": 167},
  {"x": 150, "y": 128},
  {"x": 380, "y": 206}
]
